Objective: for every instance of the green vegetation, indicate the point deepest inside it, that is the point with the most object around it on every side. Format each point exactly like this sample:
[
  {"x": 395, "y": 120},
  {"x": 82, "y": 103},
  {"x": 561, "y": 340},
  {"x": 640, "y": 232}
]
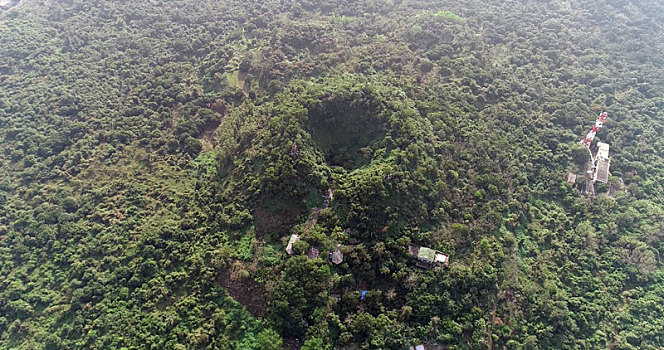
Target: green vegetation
[
  {"x": 449, "y": 15},
  {"x": 156, "y": 157}
]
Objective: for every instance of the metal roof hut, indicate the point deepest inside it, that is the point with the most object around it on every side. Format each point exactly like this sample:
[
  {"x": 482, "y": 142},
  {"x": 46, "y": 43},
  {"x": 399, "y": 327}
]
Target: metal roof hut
[
  {"x": 291, "y": 241},
  {"x": 441, "y": 258},
  {"x": 603, "y": 162},
  {"x": 336, "y": 256},
  {"x": 428, "y": 346},
  {"x": 427, "y": 257},
  {"x": 313, "y": 253},
  {"x": 571, "y": 178}
]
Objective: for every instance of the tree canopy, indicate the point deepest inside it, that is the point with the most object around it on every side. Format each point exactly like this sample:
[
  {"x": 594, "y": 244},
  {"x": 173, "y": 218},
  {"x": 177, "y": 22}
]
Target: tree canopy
[{"x": 157, "y": 156}]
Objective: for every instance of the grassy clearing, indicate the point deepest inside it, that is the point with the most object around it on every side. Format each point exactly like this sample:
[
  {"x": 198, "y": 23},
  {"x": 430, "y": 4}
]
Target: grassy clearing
[
  {"x": 234, "y": 79},
  {"x": 450, "y": 15}
]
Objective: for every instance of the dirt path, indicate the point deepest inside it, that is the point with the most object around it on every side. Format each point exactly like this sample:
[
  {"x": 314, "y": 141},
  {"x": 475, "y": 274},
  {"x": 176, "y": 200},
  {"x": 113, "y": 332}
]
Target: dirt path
[
  {"x": 313, "y": 219},
  {"x": 493, "y": 320},
  {"x": 257, "y": 249}
]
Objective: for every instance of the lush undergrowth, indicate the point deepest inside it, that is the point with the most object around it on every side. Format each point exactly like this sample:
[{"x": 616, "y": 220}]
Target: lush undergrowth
[{"x": 157, "y": 156}]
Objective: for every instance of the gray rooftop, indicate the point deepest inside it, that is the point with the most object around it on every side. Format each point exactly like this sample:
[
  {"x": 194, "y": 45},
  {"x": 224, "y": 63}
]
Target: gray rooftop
[
  {"x": 602, "y": 172},
  {"x": 603, "y": 162}
]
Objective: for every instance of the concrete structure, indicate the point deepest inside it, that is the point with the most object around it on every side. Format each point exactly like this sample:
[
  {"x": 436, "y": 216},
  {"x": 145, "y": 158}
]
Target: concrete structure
[
  {"x": 313, "y": 253},
  {"x": 440, "y": 258},
  {"x": 571, "y": 178},
  {"x": 603, "y": 162},
  {"x": 336, "y": 256},
  {"x": 5, "y": 4},
  {"x": 427, "y": 257},
  {"x": 291, "y": 241}
]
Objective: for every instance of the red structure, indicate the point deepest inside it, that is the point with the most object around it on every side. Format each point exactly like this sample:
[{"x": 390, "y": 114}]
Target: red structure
[{"x": 598, "y": 125}]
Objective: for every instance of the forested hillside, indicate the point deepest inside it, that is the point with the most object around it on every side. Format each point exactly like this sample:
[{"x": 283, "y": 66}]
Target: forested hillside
[{"x": 156, "y": 157}]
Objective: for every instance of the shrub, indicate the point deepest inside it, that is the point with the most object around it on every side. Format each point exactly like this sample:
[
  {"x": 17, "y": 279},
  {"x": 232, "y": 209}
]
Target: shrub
[{"x": 450, "y": 15}]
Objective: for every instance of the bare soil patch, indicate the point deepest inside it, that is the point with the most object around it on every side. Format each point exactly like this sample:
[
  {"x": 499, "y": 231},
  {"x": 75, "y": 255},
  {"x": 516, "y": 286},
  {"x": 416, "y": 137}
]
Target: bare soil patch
[{"x": 238, "y": 284}]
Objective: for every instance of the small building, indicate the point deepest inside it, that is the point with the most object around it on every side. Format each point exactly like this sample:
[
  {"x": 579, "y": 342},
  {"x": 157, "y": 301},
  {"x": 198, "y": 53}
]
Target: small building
[
  {"x": 571, "y": 178},
  {"x": 440, "y": 258},
  {"x": 428, "y": 346},
  {"x": 6, "y": 4},
  {"x": 427, "y": 257},
  {"x": 336, "y": 256},
  {"x": 313, "y": 253},
  {"x": 603, "y": 162},
  {"x": 291, "y": 241}
]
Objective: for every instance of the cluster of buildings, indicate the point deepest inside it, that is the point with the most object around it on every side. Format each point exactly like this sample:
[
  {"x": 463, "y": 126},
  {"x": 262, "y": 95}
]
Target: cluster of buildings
[
  {"x": 427, "y": 258},
  {"x": 335, "y": 255}
]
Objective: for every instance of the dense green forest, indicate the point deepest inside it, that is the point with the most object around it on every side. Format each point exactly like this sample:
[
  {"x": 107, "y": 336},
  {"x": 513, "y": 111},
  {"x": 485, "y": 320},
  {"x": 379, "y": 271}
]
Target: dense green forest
[{"x": 157, "y": 155}]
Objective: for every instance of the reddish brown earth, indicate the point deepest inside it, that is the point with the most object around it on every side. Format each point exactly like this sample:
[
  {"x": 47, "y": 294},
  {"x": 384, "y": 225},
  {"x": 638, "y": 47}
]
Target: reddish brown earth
[
  {"x": 243, "y": 289},
  {"x": 272, "y": 224}
]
